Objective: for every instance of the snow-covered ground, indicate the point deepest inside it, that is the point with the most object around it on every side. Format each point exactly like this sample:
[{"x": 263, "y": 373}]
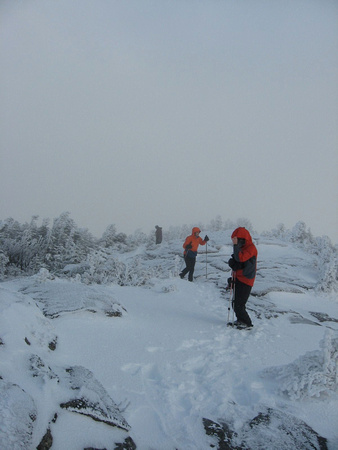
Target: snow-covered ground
[{"x": 157, "y": 368}]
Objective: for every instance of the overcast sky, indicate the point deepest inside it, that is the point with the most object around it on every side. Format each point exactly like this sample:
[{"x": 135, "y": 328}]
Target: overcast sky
[{"x": 138, "y": 113}]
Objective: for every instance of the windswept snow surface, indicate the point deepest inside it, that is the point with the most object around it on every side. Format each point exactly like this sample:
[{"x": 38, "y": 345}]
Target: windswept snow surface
[{"x": 169, "y": 360}]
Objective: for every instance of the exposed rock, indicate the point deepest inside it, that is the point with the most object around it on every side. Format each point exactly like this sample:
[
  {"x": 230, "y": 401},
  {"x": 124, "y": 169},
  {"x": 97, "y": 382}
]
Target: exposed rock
[
  {"x": 94, "y": 448},
  {"x": 128, "y": 444},
  {"x": 92, "y": 399},
  {"x": 94, "y": 411},
  {"x": 222, "y": 432},
  {"x": 322, "y": 317},
  {"x": 52, "y": 344},
  {"x": 40, "y": 369},
  {"x": 270, "y": 429},
  {"x": 114, "y": 313},
  {"x": 278, "y": 430},
  {"x": 46, "y": 442}
]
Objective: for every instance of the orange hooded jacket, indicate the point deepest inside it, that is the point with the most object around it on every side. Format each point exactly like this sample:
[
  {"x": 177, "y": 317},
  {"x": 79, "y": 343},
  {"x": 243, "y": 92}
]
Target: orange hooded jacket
[
  {"x": 195, "y": 241},
  {"x": 247, "y": 255}
]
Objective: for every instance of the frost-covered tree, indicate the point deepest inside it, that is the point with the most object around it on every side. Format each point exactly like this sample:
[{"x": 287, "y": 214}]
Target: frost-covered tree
[
  {"x": 68, "y": 243},
  {"x": 242, "y": 222},
  {"x": 216, "y": 224},
  {"x": 311, "y": 375},
  {"x": 138, "y": 238},
  {"x": 300, "y": 234},
  {"x": 328, "y": 265},
  {"x": 3, "y": 264},
  {"x": 278, "y": 232},
  {"x": 111, "y": 238},
  {"x": 23, "y": 245},
  {"x": 27, "y": 248},
  {"x": 104, "y": 266},
  {"x": 329, "y": 281}
]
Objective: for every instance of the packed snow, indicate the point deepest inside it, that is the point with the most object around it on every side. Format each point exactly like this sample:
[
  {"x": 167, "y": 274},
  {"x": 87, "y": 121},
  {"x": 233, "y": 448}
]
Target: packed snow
[{"x": 155, "y": 366}]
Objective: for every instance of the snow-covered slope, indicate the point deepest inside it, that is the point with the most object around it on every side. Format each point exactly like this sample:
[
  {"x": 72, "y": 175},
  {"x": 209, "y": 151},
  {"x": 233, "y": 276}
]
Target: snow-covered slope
[{"x": 156, "y": 367}]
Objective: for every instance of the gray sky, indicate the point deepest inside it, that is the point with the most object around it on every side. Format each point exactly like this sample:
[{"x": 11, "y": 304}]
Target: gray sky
[{"x": 142, "y": 112}]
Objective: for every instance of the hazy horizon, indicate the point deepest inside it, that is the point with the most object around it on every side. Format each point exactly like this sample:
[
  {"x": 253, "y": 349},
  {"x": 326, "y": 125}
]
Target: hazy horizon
[{"x": 145, "y": 113}]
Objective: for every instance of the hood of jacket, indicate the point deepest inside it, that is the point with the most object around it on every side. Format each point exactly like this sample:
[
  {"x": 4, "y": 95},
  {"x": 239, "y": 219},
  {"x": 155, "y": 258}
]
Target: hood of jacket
[
  {"x": 195, "y": 230},
  {"x": 242, "y": 233}
]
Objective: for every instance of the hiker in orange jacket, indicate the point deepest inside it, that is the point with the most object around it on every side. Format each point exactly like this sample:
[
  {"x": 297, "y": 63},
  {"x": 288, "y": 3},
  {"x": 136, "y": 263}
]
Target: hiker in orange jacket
[
  {"x": 190, "y": 246},
  {"x": 243, "y": 264}
]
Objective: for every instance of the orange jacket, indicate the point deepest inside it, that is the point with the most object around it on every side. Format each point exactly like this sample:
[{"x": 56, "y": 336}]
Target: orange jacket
[
  {"x": 246, "y": 255},
  {"x": 195, "y": 241}
]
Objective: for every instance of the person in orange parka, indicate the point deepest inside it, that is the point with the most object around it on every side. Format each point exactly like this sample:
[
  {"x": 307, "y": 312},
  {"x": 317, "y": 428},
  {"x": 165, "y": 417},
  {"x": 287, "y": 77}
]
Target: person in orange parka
[
  {"x": 190, "y": 246},
  {"x": 243, "y": 263}
]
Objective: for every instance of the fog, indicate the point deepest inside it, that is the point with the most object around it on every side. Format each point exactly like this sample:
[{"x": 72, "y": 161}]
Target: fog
[{"x": 138, "y": 113}]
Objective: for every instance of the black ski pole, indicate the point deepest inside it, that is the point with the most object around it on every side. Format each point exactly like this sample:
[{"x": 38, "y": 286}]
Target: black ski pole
[
  {"x": 206, "y": 260},
  {"x": 230, "y": 299},
  {"x": 233, "y": 297}
]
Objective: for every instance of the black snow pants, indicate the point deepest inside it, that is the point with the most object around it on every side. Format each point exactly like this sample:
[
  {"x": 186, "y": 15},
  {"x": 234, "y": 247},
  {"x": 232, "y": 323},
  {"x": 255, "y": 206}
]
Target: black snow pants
[
  {"x": 190, "y": 267},
  {"x": 242, "y": 293}
]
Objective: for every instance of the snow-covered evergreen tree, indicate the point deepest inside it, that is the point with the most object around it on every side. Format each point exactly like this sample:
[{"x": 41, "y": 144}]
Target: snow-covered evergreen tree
[{"x": 68, "y": 243}]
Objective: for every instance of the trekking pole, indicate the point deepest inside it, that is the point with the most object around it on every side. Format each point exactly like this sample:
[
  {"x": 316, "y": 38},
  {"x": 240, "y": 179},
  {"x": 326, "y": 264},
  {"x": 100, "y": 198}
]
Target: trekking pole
[
  {"x": 230, "y": 300},
  {"x": 233, "y": 296},
  {"x": 206, "y": 260}
]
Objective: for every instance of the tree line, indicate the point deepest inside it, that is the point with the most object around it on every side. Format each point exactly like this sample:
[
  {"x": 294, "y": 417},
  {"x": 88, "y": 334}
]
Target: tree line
[{"x": 64, "y": 249}]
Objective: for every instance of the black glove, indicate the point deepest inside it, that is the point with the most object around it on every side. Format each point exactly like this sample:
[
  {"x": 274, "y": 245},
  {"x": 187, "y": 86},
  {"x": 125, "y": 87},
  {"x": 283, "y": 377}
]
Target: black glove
[
  {"x": 206, "y": 238},
  {"x": 232, "y": 263},
  {"x": 235, "y": 265},
  {"x": 230, "y": 284},
  {"x": 188, "y": 247}
]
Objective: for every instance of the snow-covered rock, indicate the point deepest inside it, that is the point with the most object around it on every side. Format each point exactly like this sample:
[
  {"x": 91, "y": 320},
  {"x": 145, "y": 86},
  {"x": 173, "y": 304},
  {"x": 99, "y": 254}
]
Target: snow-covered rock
[{"x": 17, "y": 416}]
